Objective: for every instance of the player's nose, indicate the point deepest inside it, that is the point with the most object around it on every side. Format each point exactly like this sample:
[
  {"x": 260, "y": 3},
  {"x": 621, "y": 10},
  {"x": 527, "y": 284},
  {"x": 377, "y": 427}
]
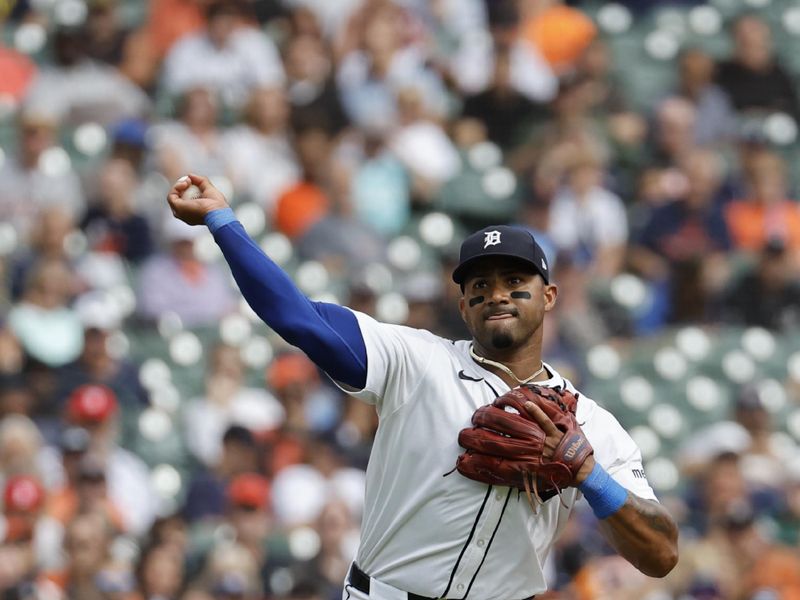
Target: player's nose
[{"x": 497, "y": 294}]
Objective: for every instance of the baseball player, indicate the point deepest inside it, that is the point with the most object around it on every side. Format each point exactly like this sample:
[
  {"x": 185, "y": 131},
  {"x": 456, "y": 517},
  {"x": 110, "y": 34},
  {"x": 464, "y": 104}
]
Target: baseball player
[{"x": 510, "y": 424}]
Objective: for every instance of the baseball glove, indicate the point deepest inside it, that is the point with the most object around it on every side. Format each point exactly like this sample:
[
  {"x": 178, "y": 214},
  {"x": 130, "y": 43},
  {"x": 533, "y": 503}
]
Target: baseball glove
[{"x": 506, "y": 446}]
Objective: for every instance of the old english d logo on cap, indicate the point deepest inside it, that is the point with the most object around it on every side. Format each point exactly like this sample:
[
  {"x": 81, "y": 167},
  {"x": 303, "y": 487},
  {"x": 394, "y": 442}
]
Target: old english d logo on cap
[
  {"x": 501, "y": 240},
  {"x": 491, "y": 238}
]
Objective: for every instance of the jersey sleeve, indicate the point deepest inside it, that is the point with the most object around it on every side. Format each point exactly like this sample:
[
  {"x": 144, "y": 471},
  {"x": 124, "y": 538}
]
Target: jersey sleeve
[
  {"x": 397, "y": 361},
  {"x": 615, "y": 450}
]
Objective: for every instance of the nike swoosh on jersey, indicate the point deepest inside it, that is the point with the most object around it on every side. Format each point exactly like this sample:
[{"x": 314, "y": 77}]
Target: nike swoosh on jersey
[{"x": 464, "y": 376}]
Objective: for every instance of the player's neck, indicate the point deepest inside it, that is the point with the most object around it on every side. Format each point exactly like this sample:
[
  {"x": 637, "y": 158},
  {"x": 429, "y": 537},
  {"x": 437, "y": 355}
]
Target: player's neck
[{"x": 525, "y": 364}]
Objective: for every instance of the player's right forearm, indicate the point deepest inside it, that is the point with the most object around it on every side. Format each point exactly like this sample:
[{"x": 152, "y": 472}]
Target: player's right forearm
[{"x": 328, "y": 333}]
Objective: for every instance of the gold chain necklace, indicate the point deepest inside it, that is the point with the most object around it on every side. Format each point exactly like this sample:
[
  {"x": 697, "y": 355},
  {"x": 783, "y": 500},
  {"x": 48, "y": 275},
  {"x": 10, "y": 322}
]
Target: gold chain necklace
[{"x": 502, "y": 367}]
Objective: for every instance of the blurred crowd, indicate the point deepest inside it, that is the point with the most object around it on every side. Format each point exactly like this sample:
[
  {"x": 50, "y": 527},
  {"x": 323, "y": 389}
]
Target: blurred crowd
[{"x": 359, "y": 140}]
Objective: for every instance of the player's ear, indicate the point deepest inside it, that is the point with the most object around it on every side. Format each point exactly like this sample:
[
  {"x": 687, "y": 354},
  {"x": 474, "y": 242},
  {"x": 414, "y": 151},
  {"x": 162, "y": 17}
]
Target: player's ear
[
  {"x": 461, "y": 306},
  {"x": 550, "y": 295}
]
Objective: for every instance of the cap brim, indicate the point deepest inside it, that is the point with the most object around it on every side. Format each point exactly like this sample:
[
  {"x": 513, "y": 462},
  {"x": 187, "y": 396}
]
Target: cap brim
[{"x": 460, "y": 272}]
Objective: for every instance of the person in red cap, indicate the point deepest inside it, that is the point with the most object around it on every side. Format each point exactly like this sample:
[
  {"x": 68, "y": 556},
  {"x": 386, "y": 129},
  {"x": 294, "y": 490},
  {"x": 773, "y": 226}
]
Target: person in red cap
[
  {"x": 23, "y": 499},
  {"x": 91, "y": 405},
  {"x": 96, "y": 409},
  {"x": 250, "y": 514}
]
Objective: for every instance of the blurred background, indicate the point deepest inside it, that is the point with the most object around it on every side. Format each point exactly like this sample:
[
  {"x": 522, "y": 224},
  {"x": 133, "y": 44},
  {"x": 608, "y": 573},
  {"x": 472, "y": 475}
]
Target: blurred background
[{"x": 158, "y": 442}]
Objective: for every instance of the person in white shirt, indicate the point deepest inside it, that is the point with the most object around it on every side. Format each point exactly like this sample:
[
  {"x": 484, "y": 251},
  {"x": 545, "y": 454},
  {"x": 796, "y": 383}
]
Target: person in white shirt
[
  {"x": 426, "y": 534},
  {"x": 229, "y": 57},
  {"x": 587, "y": 221}
]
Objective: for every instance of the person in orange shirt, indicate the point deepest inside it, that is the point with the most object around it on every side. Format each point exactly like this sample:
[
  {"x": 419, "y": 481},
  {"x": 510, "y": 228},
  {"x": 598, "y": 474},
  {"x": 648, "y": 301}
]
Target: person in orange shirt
[
  {"x": 561, "y": 33},
  {"x": 766, "y": 214},
  {"x": 86, "y": 491}
]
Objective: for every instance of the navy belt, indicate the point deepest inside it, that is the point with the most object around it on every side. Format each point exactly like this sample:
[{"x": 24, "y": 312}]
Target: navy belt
[{"x": 360, "y": 581}]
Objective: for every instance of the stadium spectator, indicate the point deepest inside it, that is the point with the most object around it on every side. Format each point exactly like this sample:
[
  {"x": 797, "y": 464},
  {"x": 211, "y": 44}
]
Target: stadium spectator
[
  {"x": 48, "y": 241},
  {"x": 674, "y": 130},
  {"x": 97, "y": 363},
  {"x": 16, "y": 397},
  {"x": 422, "y": 145},
  {"x": 716, "y": 119},
  {"x": 228, "y": 57},
  {"x": 205, "y": 496},
  {"x": 754, "y": 77},
  {"x": 129, "y": 141},
  {"x": 328, "y": 567},
  {"x": 171, "y": 280},
  {"x": 23, "y": 501},
  {"x": 382, "y": 63},
  {"x": 682, "y": 244},
  {"x": 227, "y": 401},
  {"x": 87, "y": 546},
  {"x": 489, "y": 46},
  {"x": 28, "y": 180},
  {"x": 77, "y": 89},
  {"x": 587, "y": 221},
  {"x": 85, "y": 492},
  {"x": 767, "y": 294},
  {"x": 160, "y": 572},
  {"x": 249, "y": 512},
  {"x": 105, "y": 36},
  {"x": 570, "y": 131},
  {"x": 263, "y": 139},
  {"x": 95, "y": 408},
  {"x": 301, "y": 491},
  {"x": 48, "y": 329},
  {"x": 311, "y": 89},
  {"x": 194, "y": 140},
  {"x": 503, "y": 109},
  {"x": 735, "y": 559},
  {"x": 309, "y": 404},
  {"x": 596, "y": 64},
  {"x": 766, "y": 213},
  {"x": 381, "y": 187},
  {"x": 230, "y": 571},
  {"x": 114, "y": 222},
  {"x": 762, "y": 466}
]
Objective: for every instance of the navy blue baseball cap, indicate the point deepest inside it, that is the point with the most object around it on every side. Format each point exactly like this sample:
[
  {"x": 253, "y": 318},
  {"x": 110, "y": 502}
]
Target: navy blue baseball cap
[{"x": 501, "y": 240}]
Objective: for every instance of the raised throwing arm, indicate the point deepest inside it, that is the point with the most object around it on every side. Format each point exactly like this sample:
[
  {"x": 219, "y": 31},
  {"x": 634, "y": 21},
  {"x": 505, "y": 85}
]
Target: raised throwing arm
[{"x": 329, "y": 334}]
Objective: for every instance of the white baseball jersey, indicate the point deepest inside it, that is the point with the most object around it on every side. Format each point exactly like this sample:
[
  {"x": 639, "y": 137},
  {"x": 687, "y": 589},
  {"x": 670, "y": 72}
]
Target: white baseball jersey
[{"x": 427, "y": 529}]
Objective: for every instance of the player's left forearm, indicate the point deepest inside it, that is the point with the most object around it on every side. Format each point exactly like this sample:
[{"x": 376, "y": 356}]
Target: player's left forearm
[
  {"x": 643, "y": 533},
  {"x": 640, "y": 530}
]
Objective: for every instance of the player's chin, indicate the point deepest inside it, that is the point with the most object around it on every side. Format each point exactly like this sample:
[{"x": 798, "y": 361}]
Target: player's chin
[{"x": 502, "y": 340}]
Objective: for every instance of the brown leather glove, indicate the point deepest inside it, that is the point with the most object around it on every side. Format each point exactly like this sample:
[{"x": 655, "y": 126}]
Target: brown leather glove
[{"x": 506, "y": 446}]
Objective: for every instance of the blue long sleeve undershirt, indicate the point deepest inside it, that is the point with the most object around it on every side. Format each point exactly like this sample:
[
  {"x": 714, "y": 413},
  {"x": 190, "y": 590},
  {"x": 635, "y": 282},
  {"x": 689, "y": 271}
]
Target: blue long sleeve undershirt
[{"x": 329, "y": 334}]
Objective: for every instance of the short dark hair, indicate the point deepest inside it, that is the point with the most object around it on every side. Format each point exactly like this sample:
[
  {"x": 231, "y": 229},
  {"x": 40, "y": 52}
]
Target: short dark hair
[{"x": 239, "y": 435}]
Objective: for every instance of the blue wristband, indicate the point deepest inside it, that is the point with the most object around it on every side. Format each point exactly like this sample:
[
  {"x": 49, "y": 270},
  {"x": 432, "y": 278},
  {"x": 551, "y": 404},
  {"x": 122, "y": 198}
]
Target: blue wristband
[
  {"x": 603, "y": 494},
  {"x": 219, "y": 217}
]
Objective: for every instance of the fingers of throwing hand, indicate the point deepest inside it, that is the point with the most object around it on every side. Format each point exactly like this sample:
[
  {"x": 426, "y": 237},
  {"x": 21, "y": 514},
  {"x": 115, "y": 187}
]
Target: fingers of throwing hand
[{"x": 542, "y": 419}]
